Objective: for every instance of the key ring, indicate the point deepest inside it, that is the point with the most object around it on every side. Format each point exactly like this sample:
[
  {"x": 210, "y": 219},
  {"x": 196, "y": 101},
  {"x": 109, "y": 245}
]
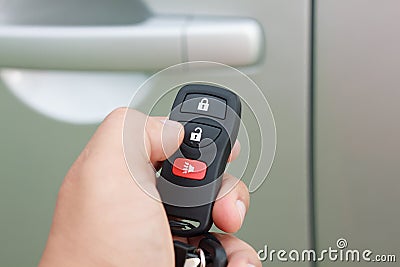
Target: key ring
[
  {"x": 210, "y": 253},
  {"x": 202, "y": 257}
]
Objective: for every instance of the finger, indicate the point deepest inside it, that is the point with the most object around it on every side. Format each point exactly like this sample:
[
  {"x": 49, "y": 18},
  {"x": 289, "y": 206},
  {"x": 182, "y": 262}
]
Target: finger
[
  {"x": 164, "y": 144},
  {"x": 235, "y": 151},
  {"x": 165, "y": 137},
  {"x": 230, "y": 209},
  {"x": 239, "y": 253}
]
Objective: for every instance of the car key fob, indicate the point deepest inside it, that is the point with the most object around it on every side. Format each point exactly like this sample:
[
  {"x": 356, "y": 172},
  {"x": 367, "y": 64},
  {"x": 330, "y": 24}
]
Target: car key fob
[{"x": 191, "y": 178}]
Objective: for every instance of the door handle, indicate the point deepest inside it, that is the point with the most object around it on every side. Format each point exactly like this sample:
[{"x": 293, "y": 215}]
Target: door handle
[{"x": 158, "y": 42}]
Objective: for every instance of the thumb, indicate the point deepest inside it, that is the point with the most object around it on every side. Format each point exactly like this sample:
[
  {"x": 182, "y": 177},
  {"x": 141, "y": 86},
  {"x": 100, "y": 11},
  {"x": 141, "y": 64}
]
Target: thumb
[{"x": 165, "y": 136}]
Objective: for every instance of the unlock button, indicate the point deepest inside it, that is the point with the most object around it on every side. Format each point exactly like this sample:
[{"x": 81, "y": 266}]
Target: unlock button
[
  {"x": 199, "y": 135},
  {"x": 196, "y": 134}
]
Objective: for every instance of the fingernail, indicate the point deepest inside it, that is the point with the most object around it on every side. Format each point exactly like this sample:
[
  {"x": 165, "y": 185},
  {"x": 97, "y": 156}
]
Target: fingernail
[
  {"x": 241, "y": 209},
  {"x": 250, "y": 265},
  {"x": 172, "y": 123}
]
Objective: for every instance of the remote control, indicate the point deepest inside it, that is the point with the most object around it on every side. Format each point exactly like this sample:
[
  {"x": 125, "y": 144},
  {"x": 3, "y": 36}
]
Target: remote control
[{"x": 191, "y": 178}]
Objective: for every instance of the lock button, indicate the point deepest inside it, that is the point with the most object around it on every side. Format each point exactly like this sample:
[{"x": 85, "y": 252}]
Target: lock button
[
  {"x": 204, "y": 104},
  {"x": 199, "y": 135}
]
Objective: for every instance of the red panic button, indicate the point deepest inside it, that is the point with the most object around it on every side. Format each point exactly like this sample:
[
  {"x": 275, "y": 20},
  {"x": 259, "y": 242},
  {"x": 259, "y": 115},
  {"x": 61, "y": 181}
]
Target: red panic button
[{"x": 189, "y": 168}]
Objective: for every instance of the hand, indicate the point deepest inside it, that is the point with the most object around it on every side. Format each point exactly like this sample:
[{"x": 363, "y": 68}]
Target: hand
[{"x": 103, "y": 218}]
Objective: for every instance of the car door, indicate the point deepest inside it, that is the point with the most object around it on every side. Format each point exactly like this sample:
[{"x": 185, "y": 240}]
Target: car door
[{"x": 91, "y": 55}]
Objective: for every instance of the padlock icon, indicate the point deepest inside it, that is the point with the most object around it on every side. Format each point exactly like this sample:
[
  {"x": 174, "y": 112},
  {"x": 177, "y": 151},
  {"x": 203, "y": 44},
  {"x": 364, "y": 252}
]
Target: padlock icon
[
  {"x": 196, "y": 134},
  {"x": 203, "y": 104}
]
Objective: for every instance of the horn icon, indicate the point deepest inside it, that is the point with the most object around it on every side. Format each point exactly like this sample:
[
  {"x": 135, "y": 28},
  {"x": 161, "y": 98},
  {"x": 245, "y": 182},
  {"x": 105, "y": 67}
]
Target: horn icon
[{"x": 187, "y": 167}]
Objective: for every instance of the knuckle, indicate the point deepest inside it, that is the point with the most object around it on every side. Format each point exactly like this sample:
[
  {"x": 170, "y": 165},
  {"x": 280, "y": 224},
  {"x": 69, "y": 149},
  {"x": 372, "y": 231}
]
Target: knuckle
[
  {"x": 243, "y": 193},
  {"x": 117, "y": 114},
  {"x": 242, "y": 187}
]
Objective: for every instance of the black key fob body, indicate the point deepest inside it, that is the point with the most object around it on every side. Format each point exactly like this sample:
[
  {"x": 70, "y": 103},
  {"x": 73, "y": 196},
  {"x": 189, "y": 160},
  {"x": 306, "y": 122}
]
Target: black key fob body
[{"x": 191, "y": 178}]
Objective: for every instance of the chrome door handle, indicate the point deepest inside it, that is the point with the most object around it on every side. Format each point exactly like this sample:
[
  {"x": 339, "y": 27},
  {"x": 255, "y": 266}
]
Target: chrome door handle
[{"x": 156, "y": 43}]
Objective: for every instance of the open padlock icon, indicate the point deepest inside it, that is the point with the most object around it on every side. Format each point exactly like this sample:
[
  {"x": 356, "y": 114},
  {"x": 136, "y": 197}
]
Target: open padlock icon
[
  {"x": 196, "y": 134},
  {"x": 203, "y": 104}
]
